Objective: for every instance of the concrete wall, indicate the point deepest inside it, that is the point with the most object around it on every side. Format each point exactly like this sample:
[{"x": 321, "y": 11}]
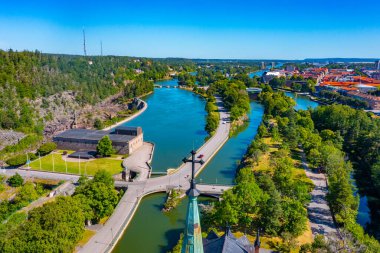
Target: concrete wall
[{"x": 136, "y": 143}]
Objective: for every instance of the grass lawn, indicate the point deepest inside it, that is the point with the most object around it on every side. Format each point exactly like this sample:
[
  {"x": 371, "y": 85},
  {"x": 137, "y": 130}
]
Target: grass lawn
[
  {"x": 85, "y": 167},
  {"x": 86, "y": 237}
]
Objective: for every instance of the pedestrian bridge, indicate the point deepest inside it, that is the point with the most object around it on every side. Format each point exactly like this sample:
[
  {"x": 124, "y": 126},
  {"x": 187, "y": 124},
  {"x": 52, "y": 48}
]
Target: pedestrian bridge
[
  {"x": 213, "y": 190},
  {"x": 253, "y": 90}
]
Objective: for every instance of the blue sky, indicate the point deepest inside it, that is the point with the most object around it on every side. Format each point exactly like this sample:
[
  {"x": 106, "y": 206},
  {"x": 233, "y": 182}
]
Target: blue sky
[{"x": 269, "y": 29}]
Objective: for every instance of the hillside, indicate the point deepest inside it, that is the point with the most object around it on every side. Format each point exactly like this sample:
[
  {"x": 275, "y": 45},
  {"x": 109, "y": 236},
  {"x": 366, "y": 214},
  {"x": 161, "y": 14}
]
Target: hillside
[{"x": 44, "y": 93}]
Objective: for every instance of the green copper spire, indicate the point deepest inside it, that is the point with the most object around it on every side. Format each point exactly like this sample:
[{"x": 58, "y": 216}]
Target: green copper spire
[{"x": 192, "y": 241}]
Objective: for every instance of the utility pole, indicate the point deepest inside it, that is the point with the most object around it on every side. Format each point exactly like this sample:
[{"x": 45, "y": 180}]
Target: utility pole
[{"x": 84, "y": 43}]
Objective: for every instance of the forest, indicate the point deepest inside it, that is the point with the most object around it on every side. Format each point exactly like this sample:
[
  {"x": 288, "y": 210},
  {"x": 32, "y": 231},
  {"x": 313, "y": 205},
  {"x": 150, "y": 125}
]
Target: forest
[{"x": 270, "y": 180}]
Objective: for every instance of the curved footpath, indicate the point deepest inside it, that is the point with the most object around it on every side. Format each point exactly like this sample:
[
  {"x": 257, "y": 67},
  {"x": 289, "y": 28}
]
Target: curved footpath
[{"x": 105, "y": 239}]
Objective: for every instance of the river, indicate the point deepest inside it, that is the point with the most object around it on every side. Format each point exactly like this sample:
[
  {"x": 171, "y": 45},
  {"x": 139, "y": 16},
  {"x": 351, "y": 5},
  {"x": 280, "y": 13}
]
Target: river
[
  {"x": 152, "y": 230},
  {"x": 174, "y": 121}
]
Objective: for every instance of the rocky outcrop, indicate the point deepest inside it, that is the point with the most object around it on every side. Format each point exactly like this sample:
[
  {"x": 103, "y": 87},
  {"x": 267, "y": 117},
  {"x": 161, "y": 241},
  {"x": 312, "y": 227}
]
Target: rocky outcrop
[
  {"x": 9, "y": 137},
  {"x": 61, "y": 111}
]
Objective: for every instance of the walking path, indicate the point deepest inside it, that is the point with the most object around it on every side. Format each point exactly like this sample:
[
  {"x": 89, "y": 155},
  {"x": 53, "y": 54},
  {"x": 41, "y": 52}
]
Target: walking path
[
  {"x": 105, "y": 239},
  {"x": 320, "y": 216},
  {"x": 64, "y": 189},
  {"x": 139, "y": 160}
]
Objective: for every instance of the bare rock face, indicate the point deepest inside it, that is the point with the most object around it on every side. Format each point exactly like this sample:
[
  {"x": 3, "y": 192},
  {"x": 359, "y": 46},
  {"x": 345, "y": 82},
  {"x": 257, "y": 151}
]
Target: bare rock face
[
  {"x": 61, "y": 112},
  {"x": 9, "y": 137},
  {"x": 58, "y": 111}
]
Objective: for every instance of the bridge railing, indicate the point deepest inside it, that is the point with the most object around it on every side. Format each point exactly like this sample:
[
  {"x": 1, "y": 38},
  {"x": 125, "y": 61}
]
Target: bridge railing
[{"x": 226, "y": 185}]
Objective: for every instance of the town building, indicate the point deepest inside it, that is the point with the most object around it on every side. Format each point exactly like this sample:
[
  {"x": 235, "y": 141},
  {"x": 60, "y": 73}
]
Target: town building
[
  {"x": 290, "y": 68},
  {"x": 271, "y": 74},
  {"x": 125, "y": 140},
  {"x": 373, "y": 101}
]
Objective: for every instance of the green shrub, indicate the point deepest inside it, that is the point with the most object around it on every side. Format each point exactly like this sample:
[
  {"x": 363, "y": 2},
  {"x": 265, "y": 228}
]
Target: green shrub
[
  {"x": 98, "y": 124},
  {"x": 46, "y": 148},
  {"x": 20, "y": 159},
  {"x": 15, "y": 180}
]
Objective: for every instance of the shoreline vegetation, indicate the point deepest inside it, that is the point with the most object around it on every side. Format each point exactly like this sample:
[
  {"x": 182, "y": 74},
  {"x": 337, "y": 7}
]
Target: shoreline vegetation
[{"x": 134, "y": 114}]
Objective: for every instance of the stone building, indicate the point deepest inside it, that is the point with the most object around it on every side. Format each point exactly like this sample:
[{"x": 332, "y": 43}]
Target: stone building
[{"x": 125, "y": 140}]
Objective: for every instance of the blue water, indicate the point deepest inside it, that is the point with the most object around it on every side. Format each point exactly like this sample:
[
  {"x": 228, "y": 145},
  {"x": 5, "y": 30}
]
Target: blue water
[
  {"x": 256, "y": 73},
  {"x": 174, "y": 121},
  {"x": 222, "y": 168},
  {"x": 363, "y": 212},
  {"x": 302, "y": 102}
]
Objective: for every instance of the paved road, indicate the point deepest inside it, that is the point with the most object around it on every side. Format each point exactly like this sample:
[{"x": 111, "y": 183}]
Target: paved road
[
  {"x": 320, "y": 216},
  {"x": 105, "y": 239}
]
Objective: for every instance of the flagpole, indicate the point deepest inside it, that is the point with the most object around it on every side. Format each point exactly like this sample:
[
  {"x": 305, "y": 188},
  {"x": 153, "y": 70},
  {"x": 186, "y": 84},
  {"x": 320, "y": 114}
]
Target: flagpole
[
  {"x": 39, "y": 158},
  {"x": 52, "y": 157},
  {"x": 66, "y": 163}
]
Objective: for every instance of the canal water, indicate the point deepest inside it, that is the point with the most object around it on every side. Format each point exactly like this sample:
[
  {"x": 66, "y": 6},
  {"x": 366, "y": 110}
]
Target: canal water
[
  {"x": 222, "y": 168},
  {"x": 174, "y": 121},
  {"x": 302, "y": 102}
]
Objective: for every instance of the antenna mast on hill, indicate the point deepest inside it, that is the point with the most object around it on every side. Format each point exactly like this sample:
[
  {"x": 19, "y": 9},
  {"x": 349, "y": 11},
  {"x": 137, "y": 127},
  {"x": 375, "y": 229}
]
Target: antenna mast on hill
[
  {"x": 84, "y": 43},
  {"x": 101, "y": 48}
]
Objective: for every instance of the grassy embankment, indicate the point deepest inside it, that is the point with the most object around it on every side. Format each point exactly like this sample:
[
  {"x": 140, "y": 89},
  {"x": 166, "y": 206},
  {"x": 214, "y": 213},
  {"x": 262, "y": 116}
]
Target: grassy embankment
[
  {"x": 264, "y": 166},
  {"x": 111, "y": 164}
]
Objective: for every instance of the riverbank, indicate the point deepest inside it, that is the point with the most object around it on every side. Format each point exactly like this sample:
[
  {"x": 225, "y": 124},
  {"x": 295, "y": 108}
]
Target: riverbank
[{"x": 138, "y": 113}]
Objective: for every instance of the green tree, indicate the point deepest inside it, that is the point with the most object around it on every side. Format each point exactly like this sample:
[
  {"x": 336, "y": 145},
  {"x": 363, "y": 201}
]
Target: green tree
[
  {"x": 104, "y": 147},
  {"x": 15, "y": 180},
  {"x": 98, "y": 124},
  {"x": 262, "y": 131},
  {"x": 103, "y": 176},
  {"x": 101, "y": 195},
  {"x": 59, "y": 225},
  {"x": 46, "y": 148}
]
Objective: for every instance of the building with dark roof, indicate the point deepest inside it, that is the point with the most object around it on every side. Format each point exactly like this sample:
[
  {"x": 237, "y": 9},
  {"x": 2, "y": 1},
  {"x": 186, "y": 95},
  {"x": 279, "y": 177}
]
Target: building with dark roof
[{"x": 125, "y": 140}]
